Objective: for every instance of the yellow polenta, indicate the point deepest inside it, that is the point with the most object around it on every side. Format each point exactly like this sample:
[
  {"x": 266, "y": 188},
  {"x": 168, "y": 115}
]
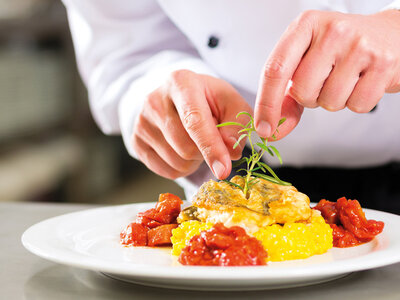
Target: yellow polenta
[
  {"x": 296, "y": 240},
  {"x": 186, "y": 230},
  {"x": 282, "y": 242}
]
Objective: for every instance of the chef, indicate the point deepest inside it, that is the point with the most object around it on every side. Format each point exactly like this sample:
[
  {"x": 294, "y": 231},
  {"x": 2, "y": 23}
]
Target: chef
[{"x": 163, "y": 73}]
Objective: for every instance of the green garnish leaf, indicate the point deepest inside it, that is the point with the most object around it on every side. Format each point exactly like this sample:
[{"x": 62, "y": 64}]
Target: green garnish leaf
[
  {"x": 252, "y": 182},
  {"x": 267, "y": 177},
  {"x": 245, "y": 113},
  {"x": 233, "y": 184},
  {"x": 281, "y": 121},
  {"x": 248, "y": 125},
  {"x": 278, "y": 155},
  {"x": 270, "y": 170},
  {"x": 239, "y": 162},
  {"x": 262, "y": 146},
  {"x": 259, "y": 168},
  {"x": 239, "y": 140},
  {"x": 245, "y": 130},
  {"x": 270, "y": 152},
  {"x": 272, "y": 179},
  {"x": 254, "y": 162},
  {"x": 230, "y": 124}
]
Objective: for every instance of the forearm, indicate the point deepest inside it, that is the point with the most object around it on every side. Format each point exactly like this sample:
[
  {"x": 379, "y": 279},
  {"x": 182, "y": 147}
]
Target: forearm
[{"x": 117, "y": 44}]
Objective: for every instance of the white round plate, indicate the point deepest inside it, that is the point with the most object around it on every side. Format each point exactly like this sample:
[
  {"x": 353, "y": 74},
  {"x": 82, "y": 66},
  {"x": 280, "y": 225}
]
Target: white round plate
[{"x": 90, "y": 239}]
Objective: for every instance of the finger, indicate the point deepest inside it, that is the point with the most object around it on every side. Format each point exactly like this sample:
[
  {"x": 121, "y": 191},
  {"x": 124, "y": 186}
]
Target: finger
[
  {"x": 164, "y": 115},
  {"x": 292, "y": 111},
  {"x": 179, "y": 139},
  {"x": 338, "y": 87},
  {"x": 195, "y": 114},
  {"x": 150, "y": 134},
  {"x": 310, "y": 76},
  {"x": 229, "y": 104},
  {"x": 230, "y": 136},
  {"x": 369, "y": 89},
  {"x": 278, "y": 70},
  {"x": 152, "y": 160},
  {"x": 341, "y": 82}
]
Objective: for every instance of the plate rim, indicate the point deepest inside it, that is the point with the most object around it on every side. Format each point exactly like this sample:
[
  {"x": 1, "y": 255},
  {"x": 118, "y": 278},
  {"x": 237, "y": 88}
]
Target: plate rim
[{"x": 207, "y": 273}]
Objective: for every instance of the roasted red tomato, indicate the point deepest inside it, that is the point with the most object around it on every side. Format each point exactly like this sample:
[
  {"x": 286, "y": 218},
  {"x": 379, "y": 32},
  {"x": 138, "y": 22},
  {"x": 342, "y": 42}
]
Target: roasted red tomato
[
  {"x": 328, "y": 211},
  {"x": 348, "y": 221},
  {"x": 166, "y": 211},
  {"x": 168, "y": 208},
  {"x": 161, "y": 235},
  {"x": 134, "y": 234},
  {"x": 153, "y": 227},
  {"x": 222, "y": 246},
  {"x": 146, "y": 218},
  {"x": 343, "y": 238}
]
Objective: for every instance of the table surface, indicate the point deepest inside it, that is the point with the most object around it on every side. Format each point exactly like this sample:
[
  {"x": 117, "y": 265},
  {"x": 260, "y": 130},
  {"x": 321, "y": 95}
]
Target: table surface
[{"x": 26, "y": 276}]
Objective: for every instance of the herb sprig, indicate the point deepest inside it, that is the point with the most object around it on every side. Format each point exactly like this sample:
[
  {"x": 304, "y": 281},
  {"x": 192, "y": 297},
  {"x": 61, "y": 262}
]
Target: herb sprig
[{"x": 253, "y": 163}]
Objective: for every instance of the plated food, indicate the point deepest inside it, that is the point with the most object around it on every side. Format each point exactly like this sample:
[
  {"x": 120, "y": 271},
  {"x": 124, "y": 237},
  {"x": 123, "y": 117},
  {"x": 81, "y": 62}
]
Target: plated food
[
  {"x": 250, "y": 220},
  {"x": 348, "y": 221},
  {"x": 221, "y": 231},
  {"x": 89, "y": 240}
]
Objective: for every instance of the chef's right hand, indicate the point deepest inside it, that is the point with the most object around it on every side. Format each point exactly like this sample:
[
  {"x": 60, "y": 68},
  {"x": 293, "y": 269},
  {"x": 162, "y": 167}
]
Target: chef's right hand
[{"x": 176, "y": 129}]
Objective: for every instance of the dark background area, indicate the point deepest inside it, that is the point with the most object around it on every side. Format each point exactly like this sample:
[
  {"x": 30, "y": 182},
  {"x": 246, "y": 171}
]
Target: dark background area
[{"x": 50, "y": 147}]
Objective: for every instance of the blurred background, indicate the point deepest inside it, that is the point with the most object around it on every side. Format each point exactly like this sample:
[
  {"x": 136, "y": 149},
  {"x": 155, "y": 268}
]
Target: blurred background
[{"x": 50, "y": 147}]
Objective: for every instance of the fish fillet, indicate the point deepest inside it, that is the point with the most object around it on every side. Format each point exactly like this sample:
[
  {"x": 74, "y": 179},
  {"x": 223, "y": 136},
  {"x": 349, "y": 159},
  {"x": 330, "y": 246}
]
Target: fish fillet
[{"x": 267, "y": 203}]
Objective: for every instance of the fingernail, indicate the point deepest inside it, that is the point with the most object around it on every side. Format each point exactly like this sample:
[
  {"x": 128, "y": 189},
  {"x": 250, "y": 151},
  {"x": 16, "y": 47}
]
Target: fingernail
[
  {"x": 218, "y": 168},
  {"x": 264, "y": 128}
]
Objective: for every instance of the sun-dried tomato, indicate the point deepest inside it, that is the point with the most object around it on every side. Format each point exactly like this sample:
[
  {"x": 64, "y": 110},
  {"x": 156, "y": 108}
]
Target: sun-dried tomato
[
  {"x": 222, "y": 246},
  {"x": 348, "y": 221},
  {"x": 143, "y": 231},
  {"x": 166, "y": 211},
  {"x": 134, "y": 234},
  {"x": 328, "y": 211},
  {"x": 161, "y": 235}
]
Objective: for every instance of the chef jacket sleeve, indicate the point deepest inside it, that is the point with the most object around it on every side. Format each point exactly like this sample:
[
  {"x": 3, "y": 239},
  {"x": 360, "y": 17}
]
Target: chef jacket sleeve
[
  {"x": 126, "y": 49},
  {"x": 394, "y": 5}
]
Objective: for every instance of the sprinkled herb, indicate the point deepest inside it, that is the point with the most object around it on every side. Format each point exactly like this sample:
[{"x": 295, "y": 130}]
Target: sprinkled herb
[{"x": 254, "y": 167}]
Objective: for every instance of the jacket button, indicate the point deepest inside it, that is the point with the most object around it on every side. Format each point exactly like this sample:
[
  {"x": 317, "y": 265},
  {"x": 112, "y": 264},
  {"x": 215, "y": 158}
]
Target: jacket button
[{"x": 213, "y": 42}]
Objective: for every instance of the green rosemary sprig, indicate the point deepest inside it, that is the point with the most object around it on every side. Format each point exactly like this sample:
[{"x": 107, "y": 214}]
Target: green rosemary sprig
[{"x": 253, "y": 162}]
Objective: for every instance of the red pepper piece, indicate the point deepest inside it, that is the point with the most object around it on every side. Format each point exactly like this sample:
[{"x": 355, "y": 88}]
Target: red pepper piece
[
  {"x": 134, "y": 234},
  {"x": 161, "y": 235}
]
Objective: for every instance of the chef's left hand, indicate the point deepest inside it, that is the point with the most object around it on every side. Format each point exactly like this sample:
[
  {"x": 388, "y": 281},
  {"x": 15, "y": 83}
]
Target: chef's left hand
[{"x": 334, "y": 60}]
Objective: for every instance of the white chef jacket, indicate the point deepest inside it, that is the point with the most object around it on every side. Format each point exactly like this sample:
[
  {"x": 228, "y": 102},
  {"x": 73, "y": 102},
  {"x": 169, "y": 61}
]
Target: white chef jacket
[{"x": 125, "y": 49}]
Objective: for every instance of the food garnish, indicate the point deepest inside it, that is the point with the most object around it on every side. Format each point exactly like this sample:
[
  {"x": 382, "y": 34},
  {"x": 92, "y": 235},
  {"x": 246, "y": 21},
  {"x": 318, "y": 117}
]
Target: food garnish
[{"x": 253, "y": 162}]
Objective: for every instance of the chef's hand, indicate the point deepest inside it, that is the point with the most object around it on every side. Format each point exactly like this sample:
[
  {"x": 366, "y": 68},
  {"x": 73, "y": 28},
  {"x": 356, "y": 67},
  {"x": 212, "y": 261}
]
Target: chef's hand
[
  {"x": 176, "y": 129},
  {"x": 334, "y": 60}
]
